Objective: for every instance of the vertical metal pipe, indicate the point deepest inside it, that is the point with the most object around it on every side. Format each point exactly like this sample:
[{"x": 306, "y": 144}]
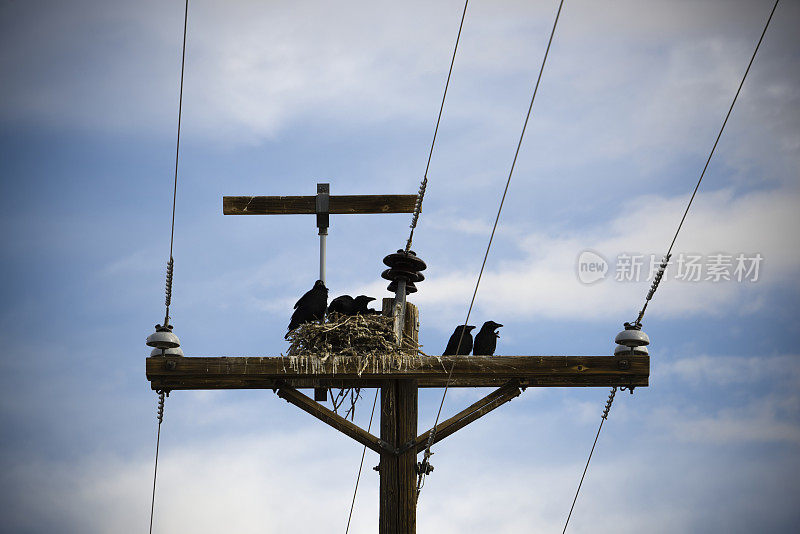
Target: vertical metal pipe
[
  {"x": 323, "y": 252},
  {"x": 399, "y": 311},
  {"x": 322, "y": 209}
]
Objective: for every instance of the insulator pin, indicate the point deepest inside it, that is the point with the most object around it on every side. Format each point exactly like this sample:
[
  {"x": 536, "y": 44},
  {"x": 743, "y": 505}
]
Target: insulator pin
[
  {"x": 403, "y": 266},
  {"x": 622, "y": 350}
]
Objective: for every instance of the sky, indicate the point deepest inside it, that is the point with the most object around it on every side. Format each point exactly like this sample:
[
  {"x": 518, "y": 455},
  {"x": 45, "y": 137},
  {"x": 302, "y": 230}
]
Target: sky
[{"x": 279, "y": 96}]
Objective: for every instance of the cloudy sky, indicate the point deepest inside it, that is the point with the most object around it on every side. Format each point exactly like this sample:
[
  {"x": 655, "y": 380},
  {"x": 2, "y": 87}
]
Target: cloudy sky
[{"x": 281, "y": 95}]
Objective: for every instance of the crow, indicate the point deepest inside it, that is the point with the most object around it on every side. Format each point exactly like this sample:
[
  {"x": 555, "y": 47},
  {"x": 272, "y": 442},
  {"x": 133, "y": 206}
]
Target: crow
[
  {"x": 361, "y": 303},
  {"x": 486, "y": 339},
  {"x": 464, "y": 347},
  {"x": 345, "y": 305},
  {"x": 310, "y": 307}
]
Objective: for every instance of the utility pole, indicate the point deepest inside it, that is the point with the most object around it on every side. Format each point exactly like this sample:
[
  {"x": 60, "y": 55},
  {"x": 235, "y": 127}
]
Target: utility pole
[{"x": 399, "y": 443}]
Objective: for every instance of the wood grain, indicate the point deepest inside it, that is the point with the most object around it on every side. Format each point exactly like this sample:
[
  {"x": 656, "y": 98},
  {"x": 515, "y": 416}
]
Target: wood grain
[
  {"x": 429, "y": 371},
  {"x": 339, "y": 204}
]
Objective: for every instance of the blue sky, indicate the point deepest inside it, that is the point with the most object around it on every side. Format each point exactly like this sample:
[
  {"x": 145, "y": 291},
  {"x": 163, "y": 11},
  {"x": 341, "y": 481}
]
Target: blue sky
[{"x": 280, "y": 96}]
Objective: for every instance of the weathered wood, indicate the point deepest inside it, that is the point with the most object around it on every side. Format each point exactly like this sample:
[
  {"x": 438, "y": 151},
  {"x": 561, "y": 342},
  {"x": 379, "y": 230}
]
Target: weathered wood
[
  {"x": 475, "y": 411},
  {"x": 335, "y": 420},
  {"x": 175, "y": 373},
  {"x": 291, "y": 205},
  {"x": 398, "y": 501}
]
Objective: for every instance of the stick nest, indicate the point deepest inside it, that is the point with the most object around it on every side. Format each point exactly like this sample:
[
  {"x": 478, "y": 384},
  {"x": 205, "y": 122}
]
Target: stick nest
[
  {"x": 363, "y": 341},
  {"x": 364, "y": 336}
]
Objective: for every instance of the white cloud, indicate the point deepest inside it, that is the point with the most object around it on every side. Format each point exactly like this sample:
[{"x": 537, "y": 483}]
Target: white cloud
[
  {"x": 301, "y": 481},
  {"x": 255, "y": 68},
  {"x": 731, "y": 370},
  {"x": 543, "y": 281},
  {"x": 272, "y": 483}
]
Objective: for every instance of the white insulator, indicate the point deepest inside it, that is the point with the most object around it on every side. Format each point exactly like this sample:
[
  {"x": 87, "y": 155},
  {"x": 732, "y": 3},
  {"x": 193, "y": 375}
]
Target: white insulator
[
  {"x": 622, "y": 350},
  {"x": 174, "y": 351},
  {"x": 632, "y": 337},
  {"x": 163, "y": 338}
]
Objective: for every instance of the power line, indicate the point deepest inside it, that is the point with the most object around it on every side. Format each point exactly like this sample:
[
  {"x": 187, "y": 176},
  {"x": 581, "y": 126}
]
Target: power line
[
  {"x": 424, "y": 184},
  {"x": 591, "y": 452},
  {"x": 361, "y": 465},
  {"x": 171, "y": 262},
  {"x": 158, "y": 442},
  {"x": 491, "y": 237},
  {"x": 668, "y": 255}
]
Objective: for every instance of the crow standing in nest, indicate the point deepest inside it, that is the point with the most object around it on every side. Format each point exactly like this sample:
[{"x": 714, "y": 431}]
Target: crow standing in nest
[
  {"x": 310, "y": 307},
  {"x": 466, "y": 342},
  {"x": 486, "y": 339},
  {"x": 344, "y": 304},
  {"x": 347, "y": 305},
  {"x": 361, "y": 303}
]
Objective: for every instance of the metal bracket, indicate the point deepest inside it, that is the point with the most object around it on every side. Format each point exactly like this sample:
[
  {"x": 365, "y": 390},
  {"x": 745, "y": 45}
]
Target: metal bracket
[{"x": 323, "y": 207}]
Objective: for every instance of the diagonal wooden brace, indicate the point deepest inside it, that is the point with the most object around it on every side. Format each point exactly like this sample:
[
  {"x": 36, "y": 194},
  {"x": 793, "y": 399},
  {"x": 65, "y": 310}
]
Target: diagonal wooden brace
[
  {"x": 329, "y": 417},
  {"x": 480, "y": 408}
]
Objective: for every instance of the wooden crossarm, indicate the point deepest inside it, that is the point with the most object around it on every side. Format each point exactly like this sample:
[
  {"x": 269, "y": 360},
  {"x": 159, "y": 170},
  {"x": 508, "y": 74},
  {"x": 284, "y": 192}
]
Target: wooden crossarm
[
  {"x": 475, "y": 411},
  {"x": 172, "y": 373},
  {"x": 289, "y": 205},
  {"x": 333, "y": 419}
]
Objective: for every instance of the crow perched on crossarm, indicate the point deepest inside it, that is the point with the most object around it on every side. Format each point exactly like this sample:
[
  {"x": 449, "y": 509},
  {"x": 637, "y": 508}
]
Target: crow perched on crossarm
[
  {"x": 310, "y": 307},
  {"x": 486, "y": 339},
  {"x": 466, "y": 342}
]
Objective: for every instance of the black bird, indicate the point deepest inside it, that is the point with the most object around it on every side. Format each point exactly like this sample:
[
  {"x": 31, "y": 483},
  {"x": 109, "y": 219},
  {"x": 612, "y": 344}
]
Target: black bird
[
  {"x": 464, "y": 347},
  {"x": 361, "y": 303},
  {"x": 310, "y": 307},
  {"x": 347, "y": 305},
  {"x": 344, "y": 305},
  {"x": 486, "y": 339}
]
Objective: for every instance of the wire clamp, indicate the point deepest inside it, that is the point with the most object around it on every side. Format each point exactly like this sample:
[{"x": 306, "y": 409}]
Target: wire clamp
[
  {"x": 609, "y": 402},
  {"x": 423, "y": 467}
]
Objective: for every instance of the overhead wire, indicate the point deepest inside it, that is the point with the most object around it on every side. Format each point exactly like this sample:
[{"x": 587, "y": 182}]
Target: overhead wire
[
  {"x": 668, "y": 255},
  {"x": 361, "y": 465},
  {"x": 171, "y": 262},
  {"x": 591, "y": 452},
  {"x": 424, "y": 184},
  {"x": 491, "y": 237},
  {"x": 177, "y": 158},
  {"x": 158, "y": 442}
]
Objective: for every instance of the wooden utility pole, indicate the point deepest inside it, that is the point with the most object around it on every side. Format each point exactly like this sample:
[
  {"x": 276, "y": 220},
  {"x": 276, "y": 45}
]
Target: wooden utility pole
[
  {"x": 399, "y": 443},
  {"x": 398, "y": 477}
]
